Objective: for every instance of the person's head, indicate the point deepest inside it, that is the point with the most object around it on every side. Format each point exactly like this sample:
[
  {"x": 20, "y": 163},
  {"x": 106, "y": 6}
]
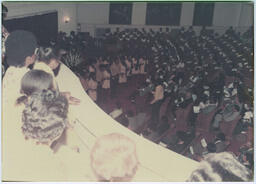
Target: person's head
[
  {"x": 116, "y": 61},
  {"x": 92, "y": 76},
  {"x": 211, "y": 147},
  {"x": 221, "y": 136},
  {"x": 20, "y": 48},
  {"x": 50, "y": 56},
  {"x": 102, "y": 67},
  {"x": 35, "y": 81},
  {"x": 44, "y": 118},
  {"x": 92, "y": 61},
  {"x": 218, "y": 167},
  {"x": 114, "y": 158},
  {"x": 118, "y": 105}
]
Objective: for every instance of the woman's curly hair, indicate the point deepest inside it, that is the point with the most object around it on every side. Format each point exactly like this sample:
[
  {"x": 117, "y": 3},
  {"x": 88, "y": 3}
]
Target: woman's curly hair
[{"x": 45, "y": 116}]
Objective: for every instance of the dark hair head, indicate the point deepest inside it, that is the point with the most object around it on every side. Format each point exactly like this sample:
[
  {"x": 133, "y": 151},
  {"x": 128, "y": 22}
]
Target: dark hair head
[
  {"x": 92, "y": 76},
  {"x": 217, "y": 167},
  {"x": 45, "y": 116},
  {"x": 19, "y": 45},
  {"x": 91, "y": 61},
  {"x": 221, "y": 136},
  {"x": 211, "y": 147},
  {"x": 118, "y": 105},
  {"x": 46, "y": 54},
  {"x": 34, "y": 81}
]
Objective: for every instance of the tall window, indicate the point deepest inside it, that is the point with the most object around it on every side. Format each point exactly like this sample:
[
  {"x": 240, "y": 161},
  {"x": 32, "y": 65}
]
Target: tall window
[
  {"x": 163, "y": 13},
  {"x": 120, "y": 13},
  {"x": 203, "y": 14}
]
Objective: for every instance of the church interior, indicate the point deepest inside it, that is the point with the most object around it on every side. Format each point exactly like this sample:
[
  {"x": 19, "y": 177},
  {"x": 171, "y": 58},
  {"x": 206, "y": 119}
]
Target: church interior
[{"x": 127, "y": 91}]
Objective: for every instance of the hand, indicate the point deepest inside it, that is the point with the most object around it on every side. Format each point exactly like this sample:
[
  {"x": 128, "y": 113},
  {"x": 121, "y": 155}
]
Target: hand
[{"x": 71, "y": 100}]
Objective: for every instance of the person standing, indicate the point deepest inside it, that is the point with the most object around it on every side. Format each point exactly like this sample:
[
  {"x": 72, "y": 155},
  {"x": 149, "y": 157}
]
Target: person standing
[
  {"x": 114, "y": 76},
  {"x": 156, "y": 103},
  {"x": 142, "y": 63},
  {"x": 129, "y": 67},
  {"x": 105, "y": 85},
  {"x": 122, "y": 75}
]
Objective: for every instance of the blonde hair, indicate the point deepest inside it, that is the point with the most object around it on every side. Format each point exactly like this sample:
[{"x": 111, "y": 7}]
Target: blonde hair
[{"x": 114, "y": 158}]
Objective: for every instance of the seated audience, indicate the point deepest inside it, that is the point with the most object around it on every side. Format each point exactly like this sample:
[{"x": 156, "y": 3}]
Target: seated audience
[
  {"x": 206, "y": 74},
  {"x": 211, "y": 148},
  {"x": 183, "y": 139},
  {"x": 161, "y": 129},
  {"x": 217, "y": 119}
]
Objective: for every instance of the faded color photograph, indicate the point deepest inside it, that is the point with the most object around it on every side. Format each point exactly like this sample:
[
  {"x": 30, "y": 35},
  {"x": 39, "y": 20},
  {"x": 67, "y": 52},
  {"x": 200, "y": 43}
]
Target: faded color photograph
[{"x": 127, "y": 91}]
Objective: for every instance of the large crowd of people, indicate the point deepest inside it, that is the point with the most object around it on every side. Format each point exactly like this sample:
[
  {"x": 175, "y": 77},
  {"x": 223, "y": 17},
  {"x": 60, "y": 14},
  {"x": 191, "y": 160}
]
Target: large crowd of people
[
  {"x": 206, "y": 74},
  {"x": 202, "y": 73}
]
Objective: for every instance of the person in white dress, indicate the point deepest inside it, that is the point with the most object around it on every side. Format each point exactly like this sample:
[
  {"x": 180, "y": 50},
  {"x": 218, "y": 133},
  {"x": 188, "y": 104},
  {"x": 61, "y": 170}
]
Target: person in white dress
[
  {"x": 122, "y": 75},
  {"x": 142, "y": 63},
  {"x": 129, "y": 66}
]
